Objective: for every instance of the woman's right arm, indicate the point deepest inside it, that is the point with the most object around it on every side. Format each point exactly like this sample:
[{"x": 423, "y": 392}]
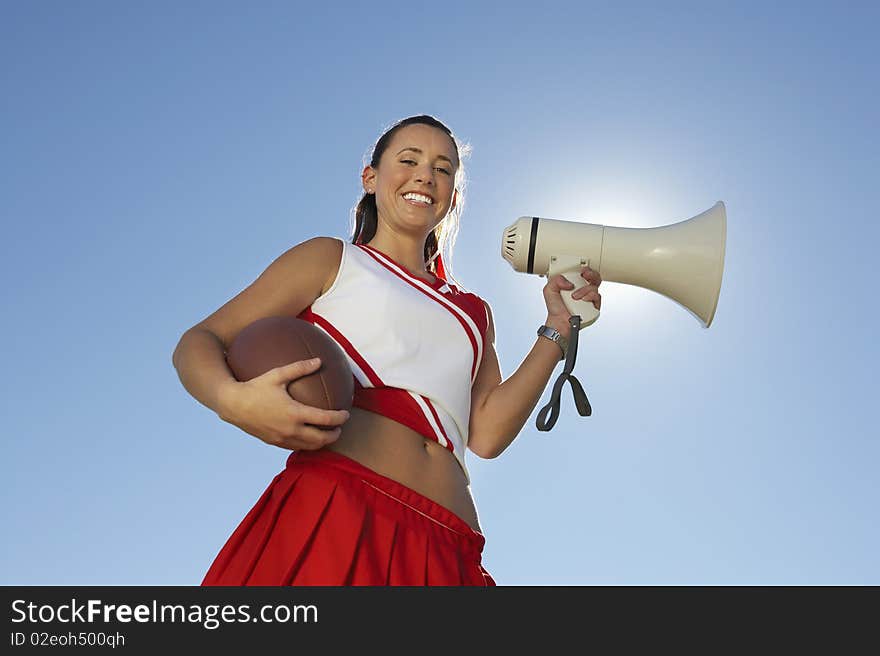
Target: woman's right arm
[
  {"x": 262, "y": 406},
  {"x": 200, "y": 360}
]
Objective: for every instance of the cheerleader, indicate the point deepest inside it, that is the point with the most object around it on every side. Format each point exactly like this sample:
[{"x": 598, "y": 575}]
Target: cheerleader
[{"x": 379, "y": 495}]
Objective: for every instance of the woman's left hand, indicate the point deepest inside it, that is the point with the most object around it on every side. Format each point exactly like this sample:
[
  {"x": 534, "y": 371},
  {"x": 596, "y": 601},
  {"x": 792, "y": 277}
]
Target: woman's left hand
[{"x": 557, "y": 313}]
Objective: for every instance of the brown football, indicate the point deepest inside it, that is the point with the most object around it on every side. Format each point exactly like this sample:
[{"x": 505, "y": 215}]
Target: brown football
[{"x": 276, "y": 341}]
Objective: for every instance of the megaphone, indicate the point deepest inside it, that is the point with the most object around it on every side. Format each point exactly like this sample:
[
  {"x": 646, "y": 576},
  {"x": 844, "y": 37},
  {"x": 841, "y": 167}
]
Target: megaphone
[{"x": 683, "y": 261}]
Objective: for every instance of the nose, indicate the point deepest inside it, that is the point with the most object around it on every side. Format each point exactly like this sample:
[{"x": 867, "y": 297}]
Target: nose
[{"x": 425, "y": 175}]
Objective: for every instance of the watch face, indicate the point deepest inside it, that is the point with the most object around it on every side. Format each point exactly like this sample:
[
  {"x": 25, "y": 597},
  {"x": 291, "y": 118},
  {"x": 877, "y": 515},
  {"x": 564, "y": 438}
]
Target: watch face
[{"x": 549, "y": 333}]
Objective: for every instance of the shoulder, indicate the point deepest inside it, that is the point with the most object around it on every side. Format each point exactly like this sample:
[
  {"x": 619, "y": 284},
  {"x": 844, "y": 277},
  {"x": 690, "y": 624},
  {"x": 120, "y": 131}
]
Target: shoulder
[
  {"x": 480, "y": 311},
  {"x": 326, "y": 254},
  {"x": 316, "y": 259},
  {"x": 314, "y": 248},
  {"x": 324, "y": 245},
  {"x": 490, "y": 321}
]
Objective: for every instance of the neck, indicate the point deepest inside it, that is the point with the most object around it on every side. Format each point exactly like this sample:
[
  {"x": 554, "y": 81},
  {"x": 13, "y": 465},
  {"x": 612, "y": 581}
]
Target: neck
[{"x": 407, "y": 253}]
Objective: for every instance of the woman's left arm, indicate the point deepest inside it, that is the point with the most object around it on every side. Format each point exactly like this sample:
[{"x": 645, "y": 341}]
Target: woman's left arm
[{"x": 499, "y": 410}]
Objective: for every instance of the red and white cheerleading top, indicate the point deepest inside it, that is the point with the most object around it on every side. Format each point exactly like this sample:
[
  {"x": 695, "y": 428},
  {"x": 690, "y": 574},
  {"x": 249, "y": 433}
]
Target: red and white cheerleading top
[{"x": 414, "y": 347}]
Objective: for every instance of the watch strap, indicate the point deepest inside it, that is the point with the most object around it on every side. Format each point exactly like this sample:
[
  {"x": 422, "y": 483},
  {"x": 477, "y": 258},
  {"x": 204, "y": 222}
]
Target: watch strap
[{"x": 554, "y": 336}]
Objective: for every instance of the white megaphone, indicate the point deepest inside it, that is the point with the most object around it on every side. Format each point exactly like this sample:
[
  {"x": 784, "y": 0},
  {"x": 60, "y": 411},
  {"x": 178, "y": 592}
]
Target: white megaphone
[{"x": 682, "y": 261}]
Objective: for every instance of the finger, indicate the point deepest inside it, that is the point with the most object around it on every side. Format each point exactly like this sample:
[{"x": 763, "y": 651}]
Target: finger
[
  {"x": 593, "y": 296},
  {"x": 591, "y": 276},
  {"x": 320, "y": 417},
  {"x": 583, "y": 291},
  {"x": 296, "y": 369},
  {"x": 558, "y": 283},
  {"x": 314, "y": 437},
  {"x": 563, "y": 282},
  {"x": 324, "y": 436}
]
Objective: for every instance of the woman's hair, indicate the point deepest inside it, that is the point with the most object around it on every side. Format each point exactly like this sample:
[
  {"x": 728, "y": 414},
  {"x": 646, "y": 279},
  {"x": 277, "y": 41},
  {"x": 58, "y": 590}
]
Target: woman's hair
[{"x": 442, "y": 238}]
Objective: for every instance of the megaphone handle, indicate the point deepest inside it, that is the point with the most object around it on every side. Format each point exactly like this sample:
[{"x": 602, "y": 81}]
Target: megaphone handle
[
  {"x": 585, "y": 309},
  {"x": 581, "y": 402},
  {"x": 570, "y": 267}
]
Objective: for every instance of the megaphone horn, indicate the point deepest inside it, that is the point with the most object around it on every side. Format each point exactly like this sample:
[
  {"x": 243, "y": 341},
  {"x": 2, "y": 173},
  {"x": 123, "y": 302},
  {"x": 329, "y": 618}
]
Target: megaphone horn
[{"x": 683, "y": 261}]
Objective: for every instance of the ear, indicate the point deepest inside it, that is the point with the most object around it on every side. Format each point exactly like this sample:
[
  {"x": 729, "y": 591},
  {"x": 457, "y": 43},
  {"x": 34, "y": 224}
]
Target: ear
[
  {"x": 454, "y": 199},
  {"x": 368, "y": 178}
]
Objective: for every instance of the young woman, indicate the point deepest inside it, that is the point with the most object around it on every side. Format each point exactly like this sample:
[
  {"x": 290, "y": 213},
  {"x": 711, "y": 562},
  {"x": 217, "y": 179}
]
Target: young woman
[{"x": 380, "y": 495}]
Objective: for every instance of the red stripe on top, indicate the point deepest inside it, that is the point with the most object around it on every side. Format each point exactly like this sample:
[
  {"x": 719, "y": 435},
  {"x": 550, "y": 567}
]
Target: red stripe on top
[
  {"x": 470, "y": 303},
  {"x": 439, "y": 423},
  {"x": 441, "y": 268},
  {"x": 473, "y": 305},
  {"x": 396, "y": 404},
  {"x": 339, "y": 338},
  {"x": 391, "y": 402},
  {"x": 438, "y": 280},
  {"x": 367, "y": 249}
]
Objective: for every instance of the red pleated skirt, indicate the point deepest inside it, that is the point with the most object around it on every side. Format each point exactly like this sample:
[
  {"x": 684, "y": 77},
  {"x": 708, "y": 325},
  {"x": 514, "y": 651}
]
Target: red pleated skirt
[{"x": 328, "y": 520}]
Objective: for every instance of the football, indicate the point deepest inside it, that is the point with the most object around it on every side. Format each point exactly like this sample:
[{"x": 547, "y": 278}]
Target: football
[{"x": 277, "y": 341}]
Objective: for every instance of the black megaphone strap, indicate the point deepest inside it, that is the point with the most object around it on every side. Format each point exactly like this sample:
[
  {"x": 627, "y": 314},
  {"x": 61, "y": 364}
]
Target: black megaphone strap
[{"x": 580, "y": 398}]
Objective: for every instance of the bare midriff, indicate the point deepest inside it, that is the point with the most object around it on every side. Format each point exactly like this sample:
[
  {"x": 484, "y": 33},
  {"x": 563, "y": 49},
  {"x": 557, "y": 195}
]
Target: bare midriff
[{"x": 404, "y": 455}]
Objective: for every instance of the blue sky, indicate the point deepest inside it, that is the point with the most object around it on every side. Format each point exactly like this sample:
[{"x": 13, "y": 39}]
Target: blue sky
[{"x": 158, "y": 156}]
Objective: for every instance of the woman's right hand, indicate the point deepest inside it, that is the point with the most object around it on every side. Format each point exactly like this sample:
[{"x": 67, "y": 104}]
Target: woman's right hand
[{"x": 263, "y": 408}]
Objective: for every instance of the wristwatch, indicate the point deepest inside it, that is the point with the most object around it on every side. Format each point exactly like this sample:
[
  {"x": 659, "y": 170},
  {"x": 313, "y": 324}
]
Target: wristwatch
[{"x": 553, "y": 335}]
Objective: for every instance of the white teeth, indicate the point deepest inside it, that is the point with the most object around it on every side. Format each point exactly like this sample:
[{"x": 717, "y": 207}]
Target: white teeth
[{"x": 418, "y": 197}]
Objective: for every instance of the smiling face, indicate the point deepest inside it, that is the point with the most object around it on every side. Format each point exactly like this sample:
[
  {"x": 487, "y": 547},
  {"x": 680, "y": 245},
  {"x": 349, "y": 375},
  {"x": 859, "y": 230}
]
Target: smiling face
[{"x": 420, "y": 159}]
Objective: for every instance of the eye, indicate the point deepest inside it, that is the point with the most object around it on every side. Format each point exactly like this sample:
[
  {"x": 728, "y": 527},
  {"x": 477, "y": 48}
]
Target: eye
[{"x": 439, "y": 168}]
